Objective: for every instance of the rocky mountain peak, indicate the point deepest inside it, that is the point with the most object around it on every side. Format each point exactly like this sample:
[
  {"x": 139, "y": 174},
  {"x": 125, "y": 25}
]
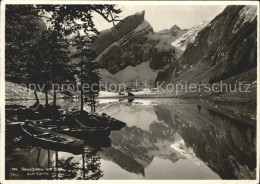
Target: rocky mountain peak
[
  {"x": 135, "y": 19},
  {"x": 141, "y": 13},
  {"x": 109, "y": 36},
  {"x": 134, "y": 51},
  {"x": 222, "y": 49},
  {"x": 173, "y": 33},
  {"x": 175, "y": 27}
]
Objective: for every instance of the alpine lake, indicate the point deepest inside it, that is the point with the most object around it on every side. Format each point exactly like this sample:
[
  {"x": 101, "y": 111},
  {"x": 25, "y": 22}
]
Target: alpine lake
[{"x": 162, "y": 139}]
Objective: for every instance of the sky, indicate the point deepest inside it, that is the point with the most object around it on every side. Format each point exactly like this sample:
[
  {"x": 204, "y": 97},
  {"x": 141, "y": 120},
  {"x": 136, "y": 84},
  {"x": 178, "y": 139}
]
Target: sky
[{"x": 165, "y": 16}]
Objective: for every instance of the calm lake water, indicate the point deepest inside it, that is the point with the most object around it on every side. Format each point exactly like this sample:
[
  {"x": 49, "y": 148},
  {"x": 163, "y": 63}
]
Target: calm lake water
[{"x": 163, "y": 139}]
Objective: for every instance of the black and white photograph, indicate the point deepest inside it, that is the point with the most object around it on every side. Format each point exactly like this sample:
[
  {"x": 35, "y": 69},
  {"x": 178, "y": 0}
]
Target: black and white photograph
[{"x": 129, "y": 91}]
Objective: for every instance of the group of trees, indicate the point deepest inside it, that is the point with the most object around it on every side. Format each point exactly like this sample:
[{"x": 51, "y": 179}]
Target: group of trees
[
  {"x": 40, "y": 55},
  {"x": 89, "y": 78}
]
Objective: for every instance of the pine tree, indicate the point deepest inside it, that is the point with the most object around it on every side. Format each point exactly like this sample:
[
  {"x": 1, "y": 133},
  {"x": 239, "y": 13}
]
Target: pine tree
[
  {"x": 33, "y": 58},
  {"x": 54, "y": 61},
  {"x": 92, "y": 78},
  {"x": 23, "y": 29},
  {"x": 89, "y": 78}
]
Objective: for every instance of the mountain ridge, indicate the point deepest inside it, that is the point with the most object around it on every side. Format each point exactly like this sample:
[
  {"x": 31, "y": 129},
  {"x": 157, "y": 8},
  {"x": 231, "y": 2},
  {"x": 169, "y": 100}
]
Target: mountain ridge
[
  {"x": 136, "y": 46},
  {"x": 224, "y": 48},
  {"x": 108, "y": 36}
]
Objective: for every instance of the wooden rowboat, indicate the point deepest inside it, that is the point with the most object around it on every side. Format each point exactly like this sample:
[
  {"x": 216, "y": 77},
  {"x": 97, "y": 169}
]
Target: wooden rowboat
[
  {"x": 71, "y": 129},
  {"x": 46, "y": 139},
  {"x": 86, "y": 133}
]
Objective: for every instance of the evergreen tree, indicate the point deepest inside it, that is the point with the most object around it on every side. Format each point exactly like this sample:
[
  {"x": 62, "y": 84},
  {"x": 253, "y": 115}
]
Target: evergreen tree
[
  {"x": 23, "y": 29},
  {"x": 92, "y": 78},
  {"x": 33, "y": 58},
  {"x": 54, "y": 59},
  {"x": 89, "y": 78}
]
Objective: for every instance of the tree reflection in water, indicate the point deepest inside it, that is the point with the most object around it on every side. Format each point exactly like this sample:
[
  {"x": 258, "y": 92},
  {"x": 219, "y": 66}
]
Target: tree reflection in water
[
  {"x": 91, "y": 164},
  {"x": 177, "y": 132},
  {"x": 67, "y": 168}
]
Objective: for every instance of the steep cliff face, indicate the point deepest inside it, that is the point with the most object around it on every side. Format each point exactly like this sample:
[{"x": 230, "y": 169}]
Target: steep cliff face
[
  {"x": 109, "y": 36},
  {"x": 130, "y": 44},
  {"x": 226, "y": 47},
  {"x": 132, "y": 49},
  {"x": 226, "y": 145},
  {"x": 189, "y": 37}
]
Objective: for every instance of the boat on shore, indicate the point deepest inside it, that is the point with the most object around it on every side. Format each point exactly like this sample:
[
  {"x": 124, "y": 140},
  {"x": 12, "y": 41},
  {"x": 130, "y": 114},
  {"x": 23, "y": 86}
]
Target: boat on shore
[
  {"x": 94, "y": 120},
  {"x": 86, "y": 133},
  {"x": 44, "y": 138},
  {"x": 73, "y": 129}
]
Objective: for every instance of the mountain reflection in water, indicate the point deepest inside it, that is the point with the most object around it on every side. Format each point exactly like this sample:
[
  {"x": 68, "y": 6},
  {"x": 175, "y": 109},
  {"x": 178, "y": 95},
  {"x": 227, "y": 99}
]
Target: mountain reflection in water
[{"x": 163, "y": 139}]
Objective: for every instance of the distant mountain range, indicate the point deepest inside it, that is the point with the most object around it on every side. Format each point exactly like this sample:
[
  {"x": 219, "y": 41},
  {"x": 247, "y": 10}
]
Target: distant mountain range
[
  {"x": 133, "y": 51},
  {"x": 226, "y": 47},
  {"x": 223, "y": 49},
  {"x": 208, "y": 52}
]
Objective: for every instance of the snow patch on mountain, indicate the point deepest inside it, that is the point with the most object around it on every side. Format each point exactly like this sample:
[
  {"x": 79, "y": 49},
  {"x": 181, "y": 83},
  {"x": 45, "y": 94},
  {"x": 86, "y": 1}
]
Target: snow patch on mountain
[
  {"x": 189, "y": 37},
  {"x": 248, "y": 13},
  {"x": 186, "y": 151}
]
